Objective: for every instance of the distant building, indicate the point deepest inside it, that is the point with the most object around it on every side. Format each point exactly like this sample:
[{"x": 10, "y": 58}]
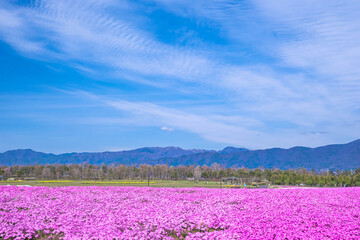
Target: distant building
[{"x": 29, "y": 178}]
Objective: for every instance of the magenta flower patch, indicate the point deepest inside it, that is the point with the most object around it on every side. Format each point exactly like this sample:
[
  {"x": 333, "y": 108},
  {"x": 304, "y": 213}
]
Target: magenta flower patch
[{"x": 168, "y": 213}]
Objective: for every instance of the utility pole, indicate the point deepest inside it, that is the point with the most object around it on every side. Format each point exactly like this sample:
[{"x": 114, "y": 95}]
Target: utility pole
[{"x": 148, "y": 179}]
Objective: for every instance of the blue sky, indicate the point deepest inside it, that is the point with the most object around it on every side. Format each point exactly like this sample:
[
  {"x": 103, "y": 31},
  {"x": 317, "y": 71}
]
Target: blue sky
[{"x": 113, "y": 75}]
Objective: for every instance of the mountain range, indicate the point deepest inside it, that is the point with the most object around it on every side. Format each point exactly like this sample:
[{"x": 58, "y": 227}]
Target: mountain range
[{"x": 336, "y": 156}]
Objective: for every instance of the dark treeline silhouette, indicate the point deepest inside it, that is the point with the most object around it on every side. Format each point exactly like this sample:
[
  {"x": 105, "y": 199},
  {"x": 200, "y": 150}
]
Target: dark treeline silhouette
[{"x": 164, "y": 172}]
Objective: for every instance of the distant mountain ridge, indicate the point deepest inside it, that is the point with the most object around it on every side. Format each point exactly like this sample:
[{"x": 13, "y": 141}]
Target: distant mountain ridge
[
  {"x": 136, "y": 156},
  {"x": 337, "y": 156}
]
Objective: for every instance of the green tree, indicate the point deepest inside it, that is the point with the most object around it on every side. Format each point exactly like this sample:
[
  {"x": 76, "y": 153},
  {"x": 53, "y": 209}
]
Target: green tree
[
  {"x": 274, "y": 178},
  {"x": 174, "y": 175},
  {"x": 205, "y": 175},
  {"x": 309, "y": 181},
  {"x": 321, "y": 183}
]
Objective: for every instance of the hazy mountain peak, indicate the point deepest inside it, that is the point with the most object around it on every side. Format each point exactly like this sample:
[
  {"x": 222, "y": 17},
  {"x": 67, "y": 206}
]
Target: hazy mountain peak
[{"x": 233, "y": 150}]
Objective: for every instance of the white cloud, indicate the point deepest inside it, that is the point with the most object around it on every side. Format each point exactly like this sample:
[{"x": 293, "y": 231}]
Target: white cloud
[
  {"x": 233, "y": 130},
  {"x": 167, "y": 129},
  {"x": 209, "y": 127}
]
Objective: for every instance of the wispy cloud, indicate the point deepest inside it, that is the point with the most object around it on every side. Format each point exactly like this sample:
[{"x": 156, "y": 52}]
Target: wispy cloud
[
  {"x": 323, "y": 41},
  {"x": 233, "y": 130},
  {"x": 279, "y": 68},
  {"x": 210, "y": 127},
  {"x": 86, "y": 33},
  {"x": 318, "y": 39}
]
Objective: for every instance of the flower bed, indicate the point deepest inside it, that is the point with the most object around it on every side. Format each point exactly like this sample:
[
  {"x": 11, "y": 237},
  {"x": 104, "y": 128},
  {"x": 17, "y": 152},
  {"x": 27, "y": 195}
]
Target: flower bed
[{"x": 175, "y": 213}]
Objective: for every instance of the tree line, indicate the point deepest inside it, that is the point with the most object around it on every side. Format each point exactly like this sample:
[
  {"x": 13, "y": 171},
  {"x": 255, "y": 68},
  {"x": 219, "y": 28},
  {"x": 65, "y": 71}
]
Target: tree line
[{"x": 214, "y": 172}]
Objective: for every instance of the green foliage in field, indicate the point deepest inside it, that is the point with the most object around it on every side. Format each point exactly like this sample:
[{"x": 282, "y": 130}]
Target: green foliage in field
[{"x": 180, "y": 176}]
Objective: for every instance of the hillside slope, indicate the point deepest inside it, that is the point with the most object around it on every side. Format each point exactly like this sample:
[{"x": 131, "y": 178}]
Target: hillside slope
[{"x": 339, "y": 156}]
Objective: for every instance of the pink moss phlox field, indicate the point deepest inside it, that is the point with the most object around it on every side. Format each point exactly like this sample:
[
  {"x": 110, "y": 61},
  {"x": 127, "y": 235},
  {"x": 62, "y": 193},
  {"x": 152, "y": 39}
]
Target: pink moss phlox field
[{"x": 174, "y": 213}]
